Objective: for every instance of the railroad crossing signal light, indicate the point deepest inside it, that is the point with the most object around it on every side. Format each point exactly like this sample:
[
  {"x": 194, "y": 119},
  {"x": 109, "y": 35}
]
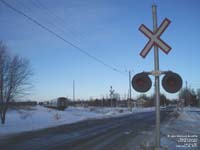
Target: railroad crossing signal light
[
  {"x": 172, "y": 82},
  {"x": 141, "y": 82}
]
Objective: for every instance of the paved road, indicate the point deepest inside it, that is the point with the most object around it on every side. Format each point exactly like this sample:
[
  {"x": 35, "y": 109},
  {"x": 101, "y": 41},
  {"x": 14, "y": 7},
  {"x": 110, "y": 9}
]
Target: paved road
[{"x": 102, "y": 134}]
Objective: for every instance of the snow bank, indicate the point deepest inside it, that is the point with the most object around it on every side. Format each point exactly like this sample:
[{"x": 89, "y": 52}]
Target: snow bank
[
  {"x": 189, "y": 116},
  {"x": 176, "y": 133},
  {"x": 184, "y": 127},
  {"x": 191, "y": 109}
]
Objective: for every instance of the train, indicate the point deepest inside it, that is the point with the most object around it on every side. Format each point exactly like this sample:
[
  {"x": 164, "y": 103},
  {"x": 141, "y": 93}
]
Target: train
[{"x": 60, "y": 103}]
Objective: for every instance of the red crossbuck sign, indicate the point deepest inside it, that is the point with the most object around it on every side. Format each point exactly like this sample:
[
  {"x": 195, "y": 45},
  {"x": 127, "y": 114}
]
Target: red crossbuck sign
[{"x": 154, "y": 38}]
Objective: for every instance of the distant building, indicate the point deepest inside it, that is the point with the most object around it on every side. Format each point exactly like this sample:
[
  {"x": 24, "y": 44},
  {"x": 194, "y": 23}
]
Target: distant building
[{"x": 140, "y": 102}]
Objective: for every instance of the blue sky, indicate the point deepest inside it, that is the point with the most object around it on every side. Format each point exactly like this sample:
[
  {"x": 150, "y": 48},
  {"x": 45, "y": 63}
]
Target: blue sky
[{"x": 108, "y": 30}]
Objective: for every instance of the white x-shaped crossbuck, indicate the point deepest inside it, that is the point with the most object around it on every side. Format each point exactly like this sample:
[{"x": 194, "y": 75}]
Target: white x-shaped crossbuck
[{"x": 154, "y": 38}]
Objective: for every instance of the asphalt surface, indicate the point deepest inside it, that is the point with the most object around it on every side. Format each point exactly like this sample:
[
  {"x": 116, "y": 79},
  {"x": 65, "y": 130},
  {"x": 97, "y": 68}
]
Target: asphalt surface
[{"x": 102, "y": 134}]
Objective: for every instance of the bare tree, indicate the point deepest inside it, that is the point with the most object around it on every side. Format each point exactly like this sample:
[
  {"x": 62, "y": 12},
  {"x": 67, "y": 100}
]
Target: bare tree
[{"x": 15, "y": 73}]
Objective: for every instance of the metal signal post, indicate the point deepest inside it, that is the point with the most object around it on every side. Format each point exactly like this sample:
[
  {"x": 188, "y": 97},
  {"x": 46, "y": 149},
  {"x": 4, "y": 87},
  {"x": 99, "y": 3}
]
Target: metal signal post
[{"x": 157, "y": 80}]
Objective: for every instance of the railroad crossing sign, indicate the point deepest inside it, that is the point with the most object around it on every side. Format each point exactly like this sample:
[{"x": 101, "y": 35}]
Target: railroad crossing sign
[
  {"x": 154, "y": 38},
  {"x": 141, "y": 80}
]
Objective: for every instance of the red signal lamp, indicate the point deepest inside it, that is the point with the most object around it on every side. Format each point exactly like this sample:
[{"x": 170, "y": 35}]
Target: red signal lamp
[
  {"x": 141, "y": 82},
  {"x": 172, "y": 82}
]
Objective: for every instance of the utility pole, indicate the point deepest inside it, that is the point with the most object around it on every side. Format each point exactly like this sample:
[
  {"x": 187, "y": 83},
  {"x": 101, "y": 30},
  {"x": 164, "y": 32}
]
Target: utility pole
[
  {"x": 157, "y": 84},
  {"x": 187, "y": 99},
  {"x": 186, "y": 93},
  {"x": 102, "y": 101},
  {"x": 73, "y": 91},
  {"x": 111, "y": 95},
  {"x": 130, "y": 83},
  {"x": 129, "y": 101}
]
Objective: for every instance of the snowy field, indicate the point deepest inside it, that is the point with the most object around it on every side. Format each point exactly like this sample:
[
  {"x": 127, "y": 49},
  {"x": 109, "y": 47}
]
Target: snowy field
[{"x": 39, "y": 117}]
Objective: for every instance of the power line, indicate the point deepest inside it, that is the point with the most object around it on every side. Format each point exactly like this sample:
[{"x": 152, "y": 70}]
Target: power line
[
  {"x": 60, "y": 37},
  {"x": 46, "y": 19},
  {"x": 56, "y": 18}
]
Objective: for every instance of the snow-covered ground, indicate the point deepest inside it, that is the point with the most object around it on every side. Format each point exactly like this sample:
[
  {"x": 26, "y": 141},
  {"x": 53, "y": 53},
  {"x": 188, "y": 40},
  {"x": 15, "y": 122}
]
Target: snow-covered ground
[
  {"x": 39, "y": 117},
  {"x": 181, "y": 132}
]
